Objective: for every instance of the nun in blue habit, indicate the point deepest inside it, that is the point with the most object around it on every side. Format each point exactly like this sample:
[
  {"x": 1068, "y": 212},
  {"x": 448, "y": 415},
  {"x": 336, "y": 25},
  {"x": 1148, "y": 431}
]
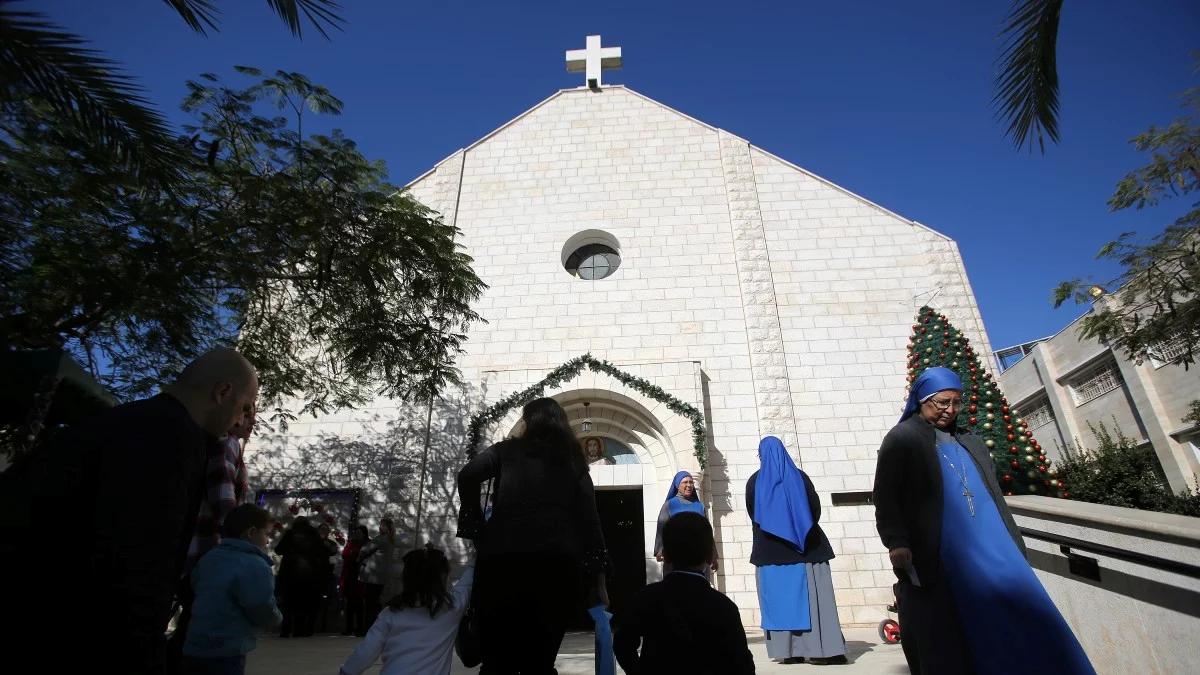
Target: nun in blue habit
[
  {"x": 791, "y": 555},
  {"x": 683, "y": 496},
  {"x": 969, "y": 601}
]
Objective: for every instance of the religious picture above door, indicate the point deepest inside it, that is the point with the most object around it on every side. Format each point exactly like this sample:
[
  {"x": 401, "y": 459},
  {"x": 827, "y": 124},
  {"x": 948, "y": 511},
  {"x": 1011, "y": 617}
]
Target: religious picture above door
[{"x": 593, "y": 451}]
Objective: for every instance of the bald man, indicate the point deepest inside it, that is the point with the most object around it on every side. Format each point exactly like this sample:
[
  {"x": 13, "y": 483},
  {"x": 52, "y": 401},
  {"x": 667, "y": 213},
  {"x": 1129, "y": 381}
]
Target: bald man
[{"x": 112, "y": 510}]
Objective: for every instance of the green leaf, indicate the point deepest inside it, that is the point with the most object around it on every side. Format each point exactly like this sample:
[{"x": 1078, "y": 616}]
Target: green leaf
[
  {"x": 319, "y": 271},
  {"x": 321, "y": 14},
  {"x": 196, "y": 13},
  {"x": 1064, "y": 291},
  {"x": 86, "y": 93},
  {"x": 1027, "y": 83}
]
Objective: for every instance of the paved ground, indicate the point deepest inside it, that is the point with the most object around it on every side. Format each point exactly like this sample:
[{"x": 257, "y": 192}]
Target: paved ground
[{"x": 321, "y": 655}]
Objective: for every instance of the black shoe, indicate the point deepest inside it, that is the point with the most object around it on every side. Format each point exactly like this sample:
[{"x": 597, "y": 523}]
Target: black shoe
[
  {"x": 792, "y": 660},
  {"x": 838, "y": 660}
]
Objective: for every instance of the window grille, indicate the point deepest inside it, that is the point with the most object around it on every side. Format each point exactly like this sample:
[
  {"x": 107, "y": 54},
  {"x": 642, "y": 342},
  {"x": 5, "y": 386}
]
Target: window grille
[
  {"x": 1040, "y": 415},
  {"x": 1096, "y": 383},
  {"x": 1166, "y": 351}
]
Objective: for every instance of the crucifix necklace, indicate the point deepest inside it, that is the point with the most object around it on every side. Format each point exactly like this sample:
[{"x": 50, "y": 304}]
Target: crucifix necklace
[{"x": 962, "y": 479}]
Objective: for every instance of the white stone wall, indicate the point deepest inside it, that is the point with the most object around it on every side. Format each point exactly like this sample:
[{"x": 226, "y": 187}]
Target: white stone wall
[
  {"x": 772, "y": 300},
  {"x": 849, "y": 277}
]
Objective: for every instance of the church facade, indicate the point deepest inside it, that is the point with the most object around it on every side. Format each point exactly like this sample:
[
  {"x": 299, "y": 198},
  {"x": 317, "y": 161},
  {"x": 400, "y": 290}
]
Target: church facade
[{"x": 682, "y": 257}]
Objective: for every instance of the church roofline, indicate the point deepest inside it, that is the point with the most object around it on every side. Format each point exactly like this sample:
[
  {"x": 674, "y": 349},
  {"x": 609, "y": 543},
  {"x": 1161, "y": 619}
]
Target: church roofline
[{"x": 573, "y": 90}]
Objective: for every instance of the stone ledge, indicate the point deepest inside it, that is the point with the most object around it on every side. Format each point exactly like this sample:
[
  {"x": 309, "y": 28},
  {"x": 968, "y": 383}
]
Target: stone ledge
[{"x": 1184, "y": 529}]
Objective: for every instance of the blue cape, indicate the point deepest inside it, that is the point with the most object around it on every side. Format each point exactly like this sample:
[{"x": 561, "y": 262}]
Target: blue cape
[
  {"x": 677, "y": 504},
  {"x": 929, "y": 383},
  {"x": 780, "y": 500}
]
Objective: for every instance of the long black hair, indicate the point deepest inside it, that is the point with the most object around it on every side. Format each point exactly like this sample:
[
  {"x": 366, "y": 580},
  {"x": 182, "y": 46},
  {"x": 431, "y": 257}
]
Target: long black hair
[
  {"x": 547, "y": 426},
  {"x": 425, "y": 574}
]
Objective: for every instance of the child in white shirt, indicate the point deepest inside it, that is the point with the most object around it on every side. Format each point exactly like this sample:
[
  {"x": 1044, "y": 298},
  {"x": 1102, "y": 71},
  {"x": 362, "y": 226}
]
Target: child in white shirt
[{"x": 415, "y": 632}]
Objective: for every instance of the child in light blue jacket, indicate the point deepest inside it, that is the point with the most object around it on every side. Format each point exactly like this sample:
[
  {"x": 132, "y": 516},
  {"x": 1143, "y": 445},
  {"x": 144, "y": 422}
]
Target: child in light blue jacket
[{"x": 235, "y": 596}]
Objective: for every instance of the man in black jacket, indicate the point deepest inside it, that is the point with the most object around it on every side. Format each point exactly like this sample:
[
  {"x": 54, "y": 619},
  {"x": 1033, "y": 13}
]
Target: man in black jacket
[
  {"x": 682, "y": 616},
  {"x": 110, "y": 507}
]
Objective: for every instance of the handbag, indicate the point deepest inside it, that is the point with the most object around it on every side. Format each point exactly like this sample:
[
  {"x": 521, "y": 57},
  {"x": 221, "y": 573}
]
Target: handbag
[{"x": 468, "y": 644}]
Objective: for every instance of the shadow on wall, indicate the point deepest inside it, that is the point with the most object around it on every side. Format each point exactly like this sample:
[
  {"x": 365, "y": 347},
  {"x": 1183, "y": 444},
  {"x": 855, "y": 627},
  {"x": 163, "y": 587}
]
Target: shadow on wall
[
  {"x": 717, "y": 477},
  {"x": 385, "y": 460}
]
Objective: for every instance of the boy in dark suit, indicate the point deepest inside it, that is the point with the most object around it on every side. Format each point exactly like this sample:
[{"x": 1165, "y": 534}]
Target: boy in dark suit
[{"x": 682, "y": 616}]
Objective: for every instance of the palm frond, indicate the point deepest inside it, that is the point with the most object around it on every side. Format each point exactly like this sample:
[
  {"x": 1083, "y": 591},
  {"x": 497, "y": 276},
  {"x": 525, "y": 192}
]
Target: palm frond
[
  {"x": 43, "y": 62},
  {"x": 1027, "y": 84},
  {"x": 320, "y": 13},
  {"x": 200, "y": 15},
  {"x": 196, "y": 13}
]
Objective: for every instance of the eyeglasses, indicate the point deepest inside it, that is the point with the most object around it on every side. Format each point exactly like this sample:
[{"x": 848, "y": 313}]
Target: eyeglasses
[{"x": 946, "y": 404}]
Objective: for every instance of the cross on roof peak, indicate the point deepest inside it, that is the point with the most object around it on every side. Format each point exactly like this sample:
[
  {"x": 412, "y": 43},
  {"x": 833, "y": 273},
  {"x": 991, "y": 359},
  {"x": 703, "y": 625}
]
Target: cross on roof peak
[{"x": 592, "y": 60}]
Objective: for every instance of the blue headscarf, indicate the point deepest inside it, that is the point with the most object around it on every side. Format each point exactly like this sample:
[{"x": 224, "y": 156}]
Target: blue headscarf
[
  {"x": 780, "y": 500},
  {"x": 678, "y": 504},
  {"x": 929, "y": 383}
]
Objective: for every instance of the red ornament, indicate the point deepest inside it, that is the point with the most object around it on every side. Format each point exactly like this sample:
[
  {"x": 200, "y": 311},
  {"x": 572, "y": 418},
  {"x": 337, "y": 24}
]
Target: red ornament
[
  {"x": 1015, "y": 464},
  {"x": 1007, "y": 478},
  {"x": 1066, "y": 495},
  {"x": 974, "y": 387},
  {"x": 972, "y": 421},
  {"x": 1004, "y": 408},
  {"x": 972, "y": 408},
  {"x": 1011, "y": 437},
  {"x": 1008, "y": 418},
  {"x": 1014, "y": 450},
  {"x": 1042, "y": 468}
]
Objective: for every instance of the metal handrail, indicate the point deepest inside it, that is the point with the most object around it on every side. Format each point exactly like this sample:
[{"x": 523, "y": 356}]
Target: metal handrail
[{"x": 1068, "y": 543}]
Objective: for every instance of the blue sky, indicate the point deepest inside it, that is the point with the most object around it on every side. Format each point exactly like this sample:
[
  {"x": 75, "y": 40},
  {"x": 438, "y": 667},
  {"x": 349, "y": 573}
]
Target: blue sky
[{"x": 890, "y": 100}]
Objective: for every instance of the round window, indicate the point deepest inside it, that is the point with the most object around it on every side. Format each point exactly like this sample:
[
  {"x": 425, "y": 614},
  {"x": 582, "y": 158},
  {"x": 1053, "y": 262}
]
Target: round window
[
  {"x": 593, "y": 261},
  {"x": 591, "y": 255}
]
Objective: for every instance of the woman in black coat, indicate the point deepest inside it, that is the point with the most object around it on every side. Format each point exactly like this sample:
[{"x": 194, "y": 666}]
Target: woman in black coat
[
  {"x": 540, "y": 546},
  {"x": 301, "y": 576}
]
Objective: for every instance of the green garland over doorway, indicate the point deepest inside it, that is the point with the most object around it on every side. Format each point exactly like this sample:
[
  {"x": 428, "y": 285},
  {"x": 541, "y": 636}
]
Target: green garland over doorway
[{"x": 567, "y": 371}]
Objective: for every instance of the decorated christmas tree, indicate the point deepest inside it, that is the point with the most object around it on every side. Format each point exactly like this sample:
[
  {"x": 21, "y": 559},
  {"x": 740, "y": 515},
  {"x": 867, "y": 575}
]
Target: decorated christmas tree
[{"x": 1019, "y": 461}]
